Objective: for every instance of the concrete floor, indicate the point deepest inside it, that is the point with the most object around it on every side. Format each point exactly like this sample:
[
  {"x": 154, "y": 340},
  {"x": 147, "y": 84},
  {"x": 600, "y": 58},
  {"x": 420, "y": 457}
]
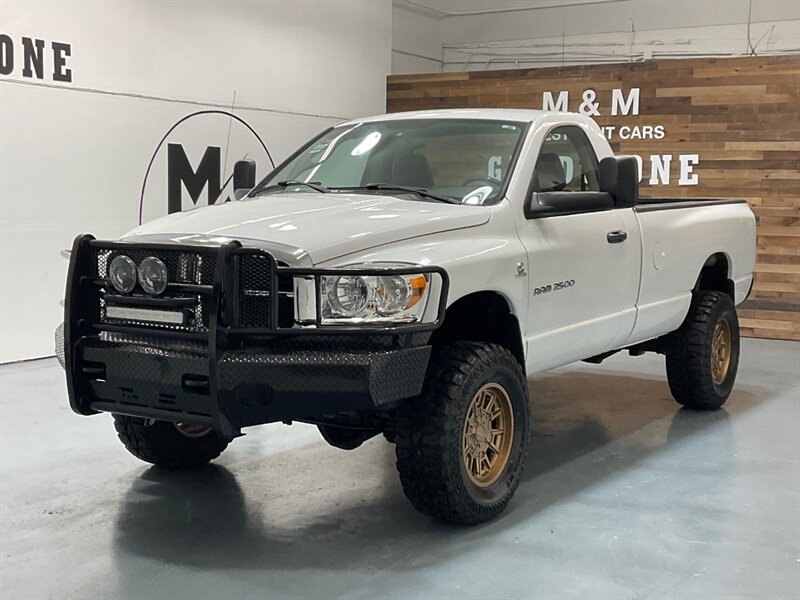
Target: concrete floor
[{"x": 624, "y": 496}]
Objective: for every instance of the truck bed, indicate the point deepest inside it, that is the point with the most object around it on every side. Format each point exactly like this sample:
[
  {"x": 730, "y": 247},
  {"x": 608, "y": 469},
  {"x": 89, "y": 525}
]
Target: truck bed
[{"x": 675, "y": 246}]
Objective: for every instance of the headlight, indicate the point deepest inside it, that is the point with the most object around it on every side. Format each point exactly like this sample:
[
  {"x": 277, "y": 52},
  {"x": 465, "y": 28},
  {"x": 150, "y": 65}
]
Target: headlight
[
  {"x": 395, "y": 293},
  {"x": 122, "y": 274},
  {"x": 348, "y": 295},
  {"x": 153, "y": 275},
  {"x": 373, "y": 298}
]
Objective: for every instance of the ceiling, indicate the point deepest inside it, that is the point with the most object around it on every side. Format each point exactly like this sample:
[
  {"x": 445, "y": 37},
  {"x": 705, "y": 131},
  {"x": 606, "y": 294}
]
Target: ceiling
[{"x": 452, "y": 8}]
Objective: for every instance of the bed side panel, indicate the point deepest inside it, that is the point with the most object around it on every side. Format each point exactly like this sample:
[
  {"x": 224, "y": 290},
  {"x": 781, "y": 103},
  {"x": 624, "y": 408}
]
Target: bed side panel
[{"x": 676, "y": 242}]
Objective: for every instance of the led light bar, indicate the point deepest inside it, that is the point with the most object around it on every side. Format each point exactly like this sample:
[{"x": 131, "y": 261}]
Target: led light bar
[{"x": 152, "y": 315}]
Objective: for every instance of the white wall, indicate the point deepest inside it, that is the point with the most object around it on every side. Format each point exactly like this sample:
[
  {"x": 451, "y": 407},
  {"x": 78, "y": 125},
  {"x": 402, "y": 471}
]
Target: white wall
[
  {"x": 416, "y": 40},
  {"x": 73, "y": 154},
  {"x": 619, "y": 31},
  {"x": 507, "y": 34}
]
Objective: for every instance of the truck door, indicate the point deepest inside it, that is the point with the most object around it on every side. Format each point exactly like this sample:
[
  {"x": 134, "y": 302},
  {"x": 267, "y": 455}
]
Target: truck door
[{"x": 584, "y": 262}]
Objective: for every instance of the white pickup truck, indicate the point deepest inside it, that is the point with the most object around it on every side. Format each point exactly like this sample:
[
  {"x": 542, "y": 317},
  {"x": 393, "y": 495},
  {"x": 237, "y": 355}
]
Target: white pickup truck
[{"x": 403, "y": 275}]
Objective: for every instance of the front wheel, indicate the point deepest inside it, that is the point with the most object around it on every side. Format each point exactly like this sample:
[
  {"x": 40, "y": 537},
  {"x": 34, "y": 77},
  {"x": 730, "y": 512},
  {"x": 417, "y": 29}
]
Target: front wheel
[
  {"x": 173, "y": 445},
  {"x": 461, "y": 445},
  {"x": 703, "y": 355}
]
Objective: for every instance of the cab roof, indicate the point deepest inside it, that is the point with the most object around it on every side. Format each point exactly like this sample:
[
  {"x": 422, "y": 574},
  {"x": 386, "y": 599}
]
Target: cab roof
[
  {"x": 511, "y": 115},
  {"x": 495, "y": 114}
]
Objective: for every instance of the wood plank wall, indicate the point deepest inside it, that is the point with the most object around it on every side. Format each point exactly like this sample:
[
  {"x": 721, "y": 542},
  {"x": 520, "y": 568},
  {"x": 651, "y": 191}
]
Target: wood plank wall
[{"x": 740, "y": 115}]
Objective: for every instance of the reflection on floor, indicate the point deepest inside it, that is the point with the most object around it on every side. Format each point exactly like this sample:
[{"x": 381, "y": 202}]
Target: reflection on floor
[{"x": 624, "y": 495}]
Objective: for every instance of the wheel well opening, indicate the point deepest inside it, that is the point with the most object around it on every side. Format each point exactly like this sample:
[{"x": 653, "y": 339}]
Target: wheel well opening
[
  {"x": 714, "y": 276},
  {"x": 481, "y": 317}
]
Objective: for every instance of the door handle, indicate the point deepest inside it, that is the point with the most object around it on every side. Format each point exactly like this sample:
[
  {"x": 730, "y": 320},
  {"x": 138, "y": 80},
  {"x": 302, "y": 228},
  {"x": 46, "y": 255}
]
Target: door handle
[{"x": 615, "y": 237}]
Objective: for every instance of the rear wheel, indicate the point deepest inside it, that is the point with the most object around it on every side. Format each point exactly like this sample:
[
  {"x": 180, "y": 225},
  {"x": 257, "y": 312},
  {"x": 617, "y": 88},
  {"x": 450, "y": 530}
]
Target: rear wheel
[
  {"x": 461, "y": 445},
  {"x": 703, "y": 355},
  {"x": 174, "y": 445}
]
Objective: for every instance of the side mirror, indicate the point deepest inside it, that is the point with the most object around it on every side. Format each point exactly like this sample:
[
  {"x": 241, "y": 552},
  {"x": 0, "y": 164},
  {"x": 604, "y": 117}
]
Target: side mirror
[
  {"x": 569, "y": 203},
  {"x": 244, "y": 178},
  {"x": 619, "y": 176}
]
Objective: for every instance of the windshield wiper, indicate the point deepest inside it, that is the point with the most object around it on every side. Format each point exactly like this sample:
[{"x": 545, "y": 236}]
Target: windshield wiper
[
  {"x": 314, "y": 185},
  {"x": 391, "y": 187}
]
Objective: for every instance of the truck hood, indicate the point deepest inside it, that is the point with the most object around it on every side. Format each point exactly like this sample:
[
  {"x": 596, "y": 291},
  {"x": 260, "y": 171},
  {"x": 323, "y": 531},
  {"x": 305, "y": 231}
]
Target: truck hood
[{"x": 325, "y": 226}]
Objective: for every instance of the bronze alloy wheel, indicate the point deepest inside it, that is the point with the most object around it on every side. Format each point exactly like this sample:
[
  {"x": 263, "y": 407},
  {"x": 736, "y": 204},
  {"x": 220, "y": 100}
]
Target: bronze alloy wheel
[
  {"x": 462, "y": 444},
  {"x": 193, "y": 430},
  {"x": 703, "y": 354},
  {"x": 488, "y": 435},
  {"x": 721, "y": 345}
]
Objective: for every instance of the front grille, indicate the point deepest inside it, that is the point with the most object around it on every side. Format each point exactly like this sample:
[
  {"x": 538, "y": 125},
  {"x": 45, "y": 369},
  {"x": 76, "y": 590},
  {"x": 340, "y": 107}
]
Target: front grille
[
  {"x": 255, "y": 290},
  {"x": 225, "y": 297}
]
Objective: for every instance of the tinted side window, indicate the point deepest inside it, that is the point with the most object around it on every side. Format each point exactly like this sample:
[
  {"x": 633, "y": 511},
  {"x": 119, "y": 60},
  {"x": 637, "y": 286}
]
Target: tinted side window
[{"x": 567, "y": 162}]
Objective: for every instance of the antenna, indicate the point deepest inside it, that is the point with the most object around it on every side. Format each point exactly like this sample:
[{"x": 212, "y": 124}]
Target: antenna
[{"x": 228, "y": 142}]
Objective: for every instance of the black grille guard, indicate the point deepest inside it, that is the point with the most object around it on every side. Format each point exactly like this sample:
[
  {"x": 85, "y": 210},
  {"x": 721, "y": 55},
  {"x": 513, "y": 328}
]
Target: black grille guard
[{"x": 226, "y": 327}]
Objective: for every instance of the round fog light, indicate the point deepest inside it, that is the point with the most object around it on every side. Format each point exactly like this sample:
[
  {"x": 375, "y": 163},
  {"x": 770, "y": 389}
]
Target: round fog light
[
  {"x": 153, "y": 275},
  {"x": 122, "y": 274}
]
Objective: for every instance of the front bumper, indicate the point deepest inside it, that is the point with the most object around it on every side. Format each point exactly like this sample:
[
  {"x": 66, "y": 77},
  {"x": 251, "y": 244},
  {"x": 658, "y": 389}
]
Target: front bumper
[
  {"x": 228, "y": 373},
  {"x": 258, "y": 385}
]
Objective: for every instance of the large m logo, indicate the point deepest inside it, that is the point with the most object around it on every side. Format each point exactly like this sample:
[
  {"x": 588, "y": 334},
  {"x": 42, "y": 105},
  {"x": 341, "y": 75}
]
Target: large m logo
[{"x": 181, "y": 174}]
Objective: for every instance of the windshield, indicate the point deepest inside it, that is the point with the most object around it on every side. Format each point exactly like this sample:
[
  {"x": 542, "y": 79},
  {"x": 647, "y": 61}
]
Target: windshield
[{"x": 463, "y": 160}]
